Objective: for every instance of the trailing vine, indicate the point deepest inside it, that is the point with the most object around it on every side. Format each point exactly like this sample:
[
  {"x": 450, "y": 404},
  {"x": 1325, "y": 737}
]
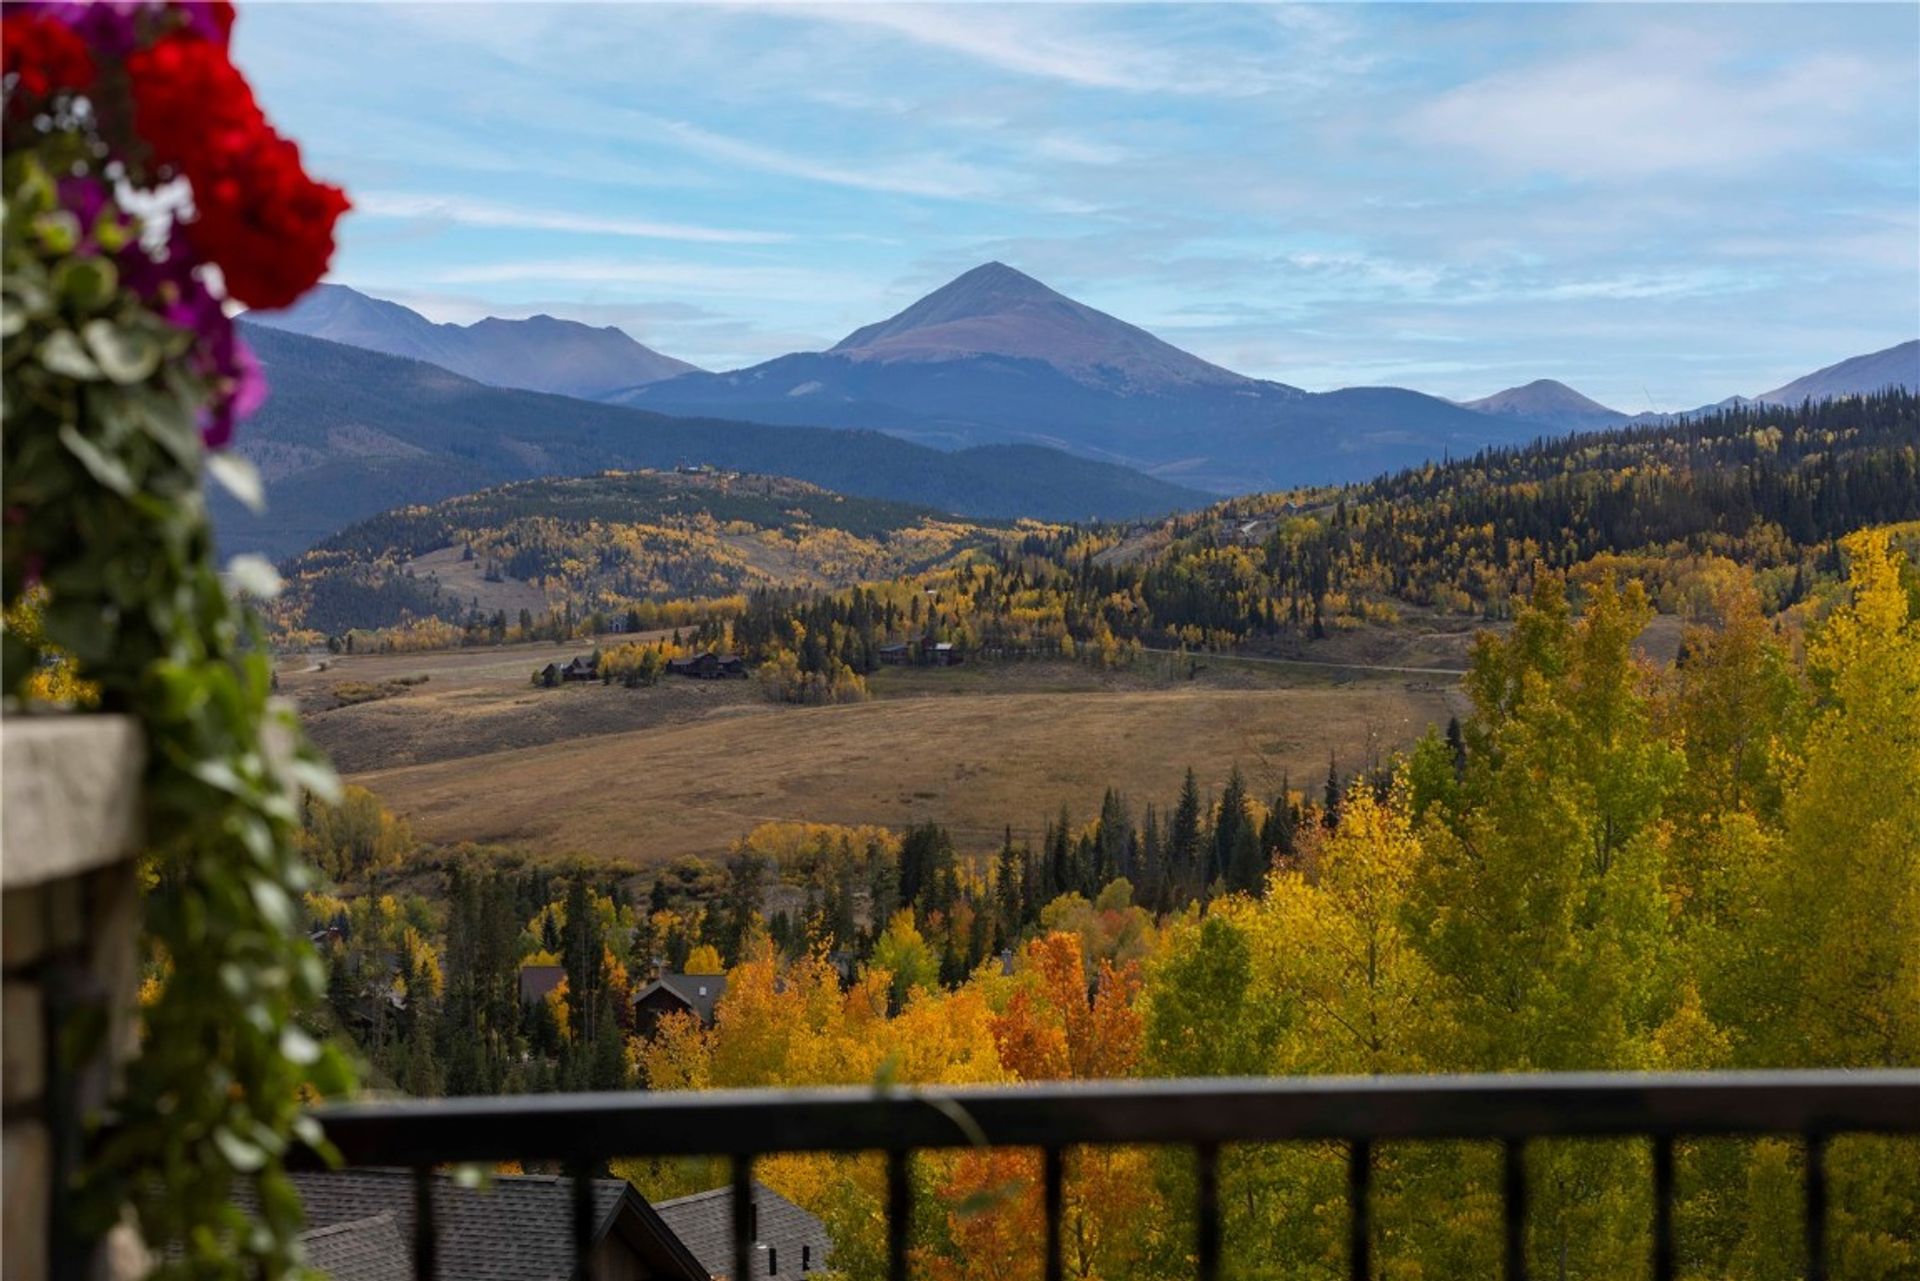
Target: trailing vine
[{"x": 122, "y": 376}]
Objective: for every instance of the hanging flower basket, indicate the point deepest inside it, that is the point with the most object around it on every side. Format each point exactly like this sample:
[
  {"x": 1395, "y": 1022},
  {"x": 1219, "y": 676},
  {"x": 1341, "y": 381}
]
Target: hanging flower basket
[{"x": 145, "y": 195}]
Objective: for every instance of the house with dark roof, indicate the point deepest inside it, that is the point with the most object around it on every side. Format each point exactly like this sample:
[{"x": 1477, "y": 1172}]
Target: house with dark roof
[
  {"x": 787, "y": 1241},
  {"x": 368, "y": 1249},
  {"x": 710, "y": 666},
  {"x": 538, "y": 980},
  {"x": 519, "y": 1227},
  {"x": 694, "y": 994}
]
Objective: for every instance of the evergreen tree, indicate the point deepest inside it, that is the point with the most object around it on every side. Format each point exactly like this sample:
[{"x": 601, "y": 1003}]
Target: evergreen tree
[{"x": 1184, "y": 865}]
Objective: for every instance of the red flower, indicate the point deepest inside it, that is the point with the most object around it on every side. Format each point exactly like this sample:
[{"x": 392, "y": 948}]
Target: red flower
[
  {"x": 258, "y": 214},
  {"x": 268, "y": 225},
  {"x": 192, "y": 106},
  {"x": 43, "y": 57}
]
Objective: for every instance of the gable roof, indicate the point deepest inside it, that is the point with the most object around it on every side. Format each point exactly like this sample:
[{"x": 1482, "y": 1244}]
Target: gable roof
[
  {"x": 519, "y": 1228},
  {"x": 698, "y": 992},
  {"x": 704, "y": 1221},
  {"x": 538, "y": 980},
  {"x": 359, "y": 1250}
]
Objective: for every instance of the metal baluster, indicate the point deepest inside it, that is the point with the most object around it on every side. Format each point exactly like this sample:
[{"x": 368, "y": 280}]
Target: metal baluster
[
  {"x": 1816, "y": 1207},
  {"x": 1359, "y": 1213},
  {"x": 1055, "y": 1193},
  {"x": 426, "y": 1239},
  {"x": 1514, "y": 1194},
  {"x": 583, "y": 1224},
  {"x": 899, "y": 1214},
  {"x": 742, "y": 1217},
  {"x": 1207, "y": 1218},
  {"x": 1663, "y": 1207}
]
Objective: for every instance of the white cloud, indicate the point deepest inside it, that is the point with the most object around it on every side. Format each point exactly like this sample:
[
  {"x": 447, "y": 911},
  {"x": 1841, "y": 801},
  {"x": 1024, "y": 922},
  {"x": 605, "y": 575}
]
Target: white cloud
[
  {"x": 1000, "y": 38},
  {"x": 1653, "y": 109},
  {"x": 689, "y": 281},
  {"x": 922, "y": 175},
  {"x": 483, "y": 213},
  {"x": 1065, "y": 43}
]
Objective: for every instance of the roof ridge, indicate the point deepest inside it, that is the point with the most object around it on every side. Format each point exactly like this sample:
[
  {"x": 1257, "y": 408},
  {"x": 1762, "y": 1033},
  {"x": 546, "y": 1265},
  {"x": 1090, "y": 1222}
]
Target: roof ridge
[
  {"x": 725, "y": 1189},
  {"x": 344, "y": 1225}
]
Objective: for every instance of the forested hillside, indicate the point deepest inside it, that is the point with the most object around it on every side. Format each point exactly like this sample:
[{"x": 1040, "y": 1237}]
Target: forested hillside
[
  {"x": 1606, "y": 864},
  {"x": 349, "y": 433},
  {"x": 599, "y": 544},
  {"x": 1772, "y": 489}
]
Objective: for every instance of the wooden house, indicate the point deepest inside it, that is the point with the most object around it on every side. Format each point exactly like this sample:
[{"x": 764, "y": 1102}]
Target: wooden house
[
  {"x": 787, "y": 1241},
  {"x": 710, "y": 666},
  {"x": 360, "y": 1222},
  {"x": 694, "y": 994},
  {"x": 894, "y": 655}
]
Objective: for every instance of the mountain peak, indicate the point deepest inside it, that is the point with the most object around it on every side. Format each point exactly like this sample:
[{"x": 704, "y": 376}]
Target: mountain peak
[
  {"x": 997, "y": 310},
  {"x": 1549, "y": 402},
  {"x": 540, "y": 353}
]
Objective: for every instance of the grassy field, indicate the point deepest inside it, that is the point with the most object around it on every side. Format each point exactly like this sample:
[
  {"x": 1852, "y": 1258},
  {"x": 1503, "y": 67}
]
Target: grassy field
[{"x": 474, "y": 752}]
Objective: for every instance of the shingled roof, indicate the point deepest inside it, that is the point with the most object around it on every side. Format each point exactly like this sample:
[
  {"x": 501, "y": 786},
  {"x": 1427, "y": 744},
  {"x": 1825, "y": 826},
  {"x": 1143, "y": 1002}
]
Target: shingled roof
[
  {"x": 518, "y": 1228},
  {"x": 698, "y": 992},
  {"x": 786, "y": 1234},
  {"x": 359, "y": 1250}
]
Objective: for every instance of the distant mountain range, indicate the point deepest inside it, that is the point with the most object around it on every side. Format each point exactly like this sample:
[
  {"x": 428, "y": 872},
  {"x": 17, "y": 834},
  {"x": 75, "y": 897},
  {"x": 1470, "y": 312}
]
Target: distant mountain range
[
  {"x": 997, "y": 396},
  {"x": 536, "y": 354},
  {"x": 347, "y": 433},
  {"x": 995, "y": 355},
  {"x": 1895, "y": 367}
]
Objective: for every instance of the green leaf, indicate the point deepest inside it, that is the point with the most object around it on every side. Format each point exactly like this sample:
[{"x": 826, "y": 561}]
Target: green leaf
[
  {"x": 297, "y": 1047},
  {"x": 58, "y": 230},
  {"x": 62, "y": 354},
  {"x": 103, "y": 467},
  {"x": 254, "y": 575},
  {"x": 242, "y": 1155},
  {"x": 88, "y": 284},
  {"x": 240, "y": 478},
  {"x": 124, "y": 354},
  {"x": 166, "y": 418},
  {"x": 274, "y": 904}
]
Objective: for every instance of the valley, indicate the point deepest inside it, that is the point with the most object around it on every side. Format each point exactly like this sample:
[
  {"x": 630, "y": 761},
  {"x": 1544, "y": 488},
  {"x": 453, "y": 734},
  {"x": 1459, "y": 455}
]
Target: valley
[{"x": 642, "y": 777}]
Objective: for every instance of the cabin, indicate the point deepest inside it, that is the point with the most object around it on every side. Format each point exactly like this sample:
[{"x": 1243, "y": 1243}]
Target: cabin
[
  {"x": 359, "y": 1227},
  {"x": 536, "y": 981},
  {"x": 694, "y": 994},
  {"x": 787, "y": 1241},
  {"x": 894, "y": 655},
  {"x": 943, "y": 655},
  {"x": 584, "y": 668},
  {"x": 710, "y": 666}
]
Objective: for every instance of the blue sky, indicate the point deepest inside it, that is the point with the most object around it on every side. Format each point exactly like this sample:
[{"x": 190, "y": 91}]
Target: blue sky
[{"x": 1659, "y": 205}]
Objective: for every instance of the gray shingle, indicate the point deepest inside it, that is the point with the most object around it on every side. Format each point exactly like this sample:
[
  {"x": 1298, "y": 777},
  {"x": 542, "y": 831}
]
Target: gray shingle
[
  {"x": 790, "y": 1236},
  {"x": 518, "y": 1228},
  {"x": 359, "y": 1250}
]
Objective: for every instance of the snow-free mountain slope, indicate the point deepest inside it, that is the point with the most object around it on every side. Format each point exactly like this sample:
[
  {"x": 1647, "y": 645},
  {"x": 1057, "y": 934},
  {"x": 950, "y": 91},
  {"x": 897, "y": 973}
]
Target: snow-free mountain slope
[
  {"x": 994, "y": 310},
  {"x": 1897, "y": 366},
  {"x": 995, "y": 355},
  {"x": 541, "y": 353},
  {"x": 349, "y": 432},
  {"x": 1551, "y": 404}
]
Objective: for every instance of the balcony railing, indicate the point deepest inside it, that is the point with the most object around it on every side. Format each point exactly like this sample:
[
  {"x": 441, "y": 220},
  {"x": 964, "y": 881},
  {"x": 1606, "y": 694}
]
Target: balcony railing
[{"x": 583, "y": 1129}]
